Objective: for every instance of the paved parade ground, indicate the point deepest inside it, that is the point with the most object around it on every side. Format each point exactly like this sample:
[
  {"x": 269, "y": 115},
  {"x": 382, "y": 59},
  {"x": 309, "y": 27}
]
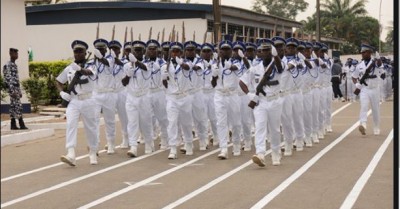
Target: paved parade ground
[{"x": 345, "y": 170}]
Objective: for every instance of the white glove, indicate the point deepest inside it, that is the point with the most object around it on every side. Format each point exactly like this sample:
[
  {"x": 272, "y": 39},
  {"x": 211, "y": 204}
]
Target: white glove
[
  {"x": 98, "y": 54},
  {"x": 377, "y": 56},
  {"x": 214, "y": 72},
  {"x": 215, "y": 55},
  {"x": 227, "y": 64},
  {"x": 164, "y": 75},
  {"x": 321, "y": 62},
  {"x": 113, "y": 55},
  {"x": 358, "y": 85},
  {"x": 206, "y": 64},
  {"x": 273, "y": 51},
  {"x": 240, "y": 53},
  {"x": 326, "y": 56},
  {"x": 156, "y": 65},
  {"x": 301, "y": 56},
  {"x": 252, "y": 97},
  {"x": 179, "y": 61},
  {"x": 76, "y": 67},
  {"x": 313, "y": 55},
  {"x": 65, "y": 96},
  {"x": 132, "y": 58}
]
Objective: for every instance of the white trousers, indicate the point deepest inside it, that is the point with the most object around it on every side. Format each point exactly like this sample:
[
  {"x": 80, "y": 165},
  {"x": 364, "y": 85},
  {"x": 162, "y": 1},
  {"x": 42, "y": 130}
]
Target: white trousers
[
  {"x": 267, "y": 116},
  {"x": 316, "y": 105},
  {"x": 247, "y": 117},
  {"x": 227, "y": 109},
  {"x": 328, "y": 107},
  {"x": 139, "y": 118},
  {"x": 387, "y": 86},
  {"x": 179, "y": 113},
  {"x": 106, "y": 103},
  {"x": 322, "y": 107},
  {"x": 350, "y": 90},
  {"x": 158, "y": 102},
  {"x": 308, "y": 109},
  {"x": 199, "y": 115},
  {"x": 367, "y": 97},
  {"x": 210, "y": 109},
  {"x": 287, "y": 118},
  {"x": 298, "y": 113},
  {"x": 123, "y": 116},
  {"x": 87, "y": 109}
]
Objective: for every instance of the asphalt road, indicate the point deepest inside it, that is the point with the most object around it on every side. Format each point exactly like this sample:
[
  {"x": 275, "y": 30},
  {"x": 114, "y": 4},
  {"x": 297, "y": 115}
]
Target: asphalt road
[{"x": 345, "y": 170}]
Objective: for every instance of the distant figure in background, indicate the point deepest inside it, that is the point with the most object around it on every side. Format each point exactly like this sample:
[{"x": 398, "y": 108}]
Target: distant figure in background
[
  {"x": 336, "y": 79},
  {"x": 10, "y": 71}
]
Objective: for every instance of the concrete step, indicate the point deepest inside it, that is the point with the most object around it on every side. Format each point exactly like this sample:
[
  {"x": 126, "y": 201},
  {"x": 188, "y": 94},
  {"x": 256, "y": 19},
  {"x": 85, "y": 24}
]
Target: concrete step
[
  {"x": 54, "y": 109},
  {"x": 26, "y": 136},
  {"x": 56, "y": 114}
]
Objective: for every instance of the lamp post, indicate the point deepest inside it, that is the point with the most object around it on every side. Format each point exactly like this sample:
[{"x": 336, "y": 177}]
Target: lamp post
[
  {"x": 318, "y": 23},
  {"x": 380, "y": 29}
]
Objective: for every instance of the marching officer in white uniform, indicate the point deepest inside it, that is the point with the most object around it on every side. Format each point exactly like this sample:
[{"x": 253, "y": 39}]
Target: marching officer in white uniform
[
  {"x": 207, "y": 57},
  {"x": 328, "y": 92},
  {"x": 176, "y": 78},
  {"x": 227, "y": 103},
  {"x": 366, "y": 77},
  {"x": 157, "y": 90},
  {"x": 103, "y": 93},
  {"x": 267, "y": 103},
  {"x": 138, "y": 102},
  {"x": 81, "y": 75}
]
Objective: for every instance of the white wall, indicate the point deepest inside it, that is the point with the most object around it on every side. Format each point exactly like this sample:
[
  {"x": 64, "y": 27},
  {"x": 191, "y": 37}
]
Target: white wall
[
  {"x": 53, "y": 42},
  {"x": 14, "y": 34}
]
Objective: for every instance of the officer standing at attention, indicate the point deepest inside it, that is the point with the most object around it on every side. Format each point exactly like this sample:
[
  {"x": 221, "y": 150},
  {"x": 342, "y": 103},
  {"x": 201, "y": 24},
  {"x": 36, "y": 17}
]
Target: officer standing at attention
[
  {"x": 10, "y": 71},
  {"x": 81, "y": 104},
  {"x": 366, "y": 77}
]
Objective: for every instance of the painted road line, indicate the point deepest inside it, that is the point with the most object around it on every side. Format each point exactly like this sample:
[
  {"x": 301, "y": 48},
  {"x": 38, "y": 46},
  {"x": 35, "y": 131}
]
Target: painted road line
[
  {"x": 269, "y": 197},
  {"x": 225, "y": 176},
  {"x": 58, "y": 186},
  {"x": 147, "y": 181},
  {"x": 358, "y": 187}
]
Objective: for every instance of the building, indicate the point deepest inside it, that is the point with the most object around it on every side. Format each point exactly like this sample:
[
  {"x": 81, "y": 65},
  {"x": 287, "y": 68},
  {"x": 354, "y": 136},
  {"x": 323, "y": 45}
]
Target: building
[{"x": 52, "y": 28}]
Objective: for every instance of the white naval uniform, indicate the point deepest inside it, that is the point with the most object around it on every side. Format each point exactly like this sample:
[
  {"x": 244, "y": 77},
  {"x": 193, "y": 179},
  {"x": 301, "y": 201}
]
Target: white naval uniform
[
  {"x": 158, "y": 99},
  {"x": 268, "y": 112},
  {"x": 198, "y": 105},
  {"x": 287, "y": 86},
  {"x": 209, "y": 92},
  {"x": 106, "y": 98},
  {"x": 120, "y": 90},
  {"x": 138, "y": 106},
  {"x": 387, "y": 83},
  {"x": 325, "y": 94},
  {"x": 246, "y": 113},
  {"x": 83, "y": 105},
  {"x": 328, "y": 95},
  {"x": 227, "y": 104},
  {"x": 369, "y": 94},
  {"x": 309, "y": 104},
  {"x": 350, "y": 86},
  {"x": 179, "y": 104},
  {"x": 316, "y": 92}
]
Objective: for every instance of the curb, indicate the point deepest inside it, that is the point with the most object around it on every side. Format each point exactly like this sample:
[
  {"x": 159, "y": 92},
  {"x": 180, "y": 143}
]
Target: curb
[{"x": 26, "y": 136}]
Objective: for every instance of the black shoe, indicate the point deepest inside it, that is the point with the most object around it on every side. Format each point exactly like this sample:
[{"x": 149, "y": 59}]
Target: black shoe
[
  {"x": 22, "y": 124},
  {"x": 14, "y": 124}
]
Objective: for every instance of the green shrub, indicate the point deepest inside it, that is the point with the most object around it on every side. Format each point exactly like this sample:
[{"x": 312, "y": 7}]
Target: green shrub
[
  {"x": 49, "y": 72},
  {"x": 3, "y": 89},
  {"x": 34, "y": 89}
]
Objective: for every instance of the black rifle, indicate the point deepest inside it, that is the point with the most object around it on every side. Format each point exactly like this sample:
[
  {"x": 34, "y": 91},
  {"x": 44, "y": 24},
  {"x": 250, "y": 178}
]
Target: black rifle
[{"x": 366, "y": 74}]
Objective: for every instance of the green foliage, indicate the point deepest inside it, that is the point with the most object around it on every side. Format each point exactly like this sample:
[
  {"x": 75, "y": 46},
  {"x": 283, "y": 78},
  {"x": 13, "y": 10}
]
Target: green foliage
[
  {"x": 282, "y": 8},
  {"x": 3, "y": 88},
  {"x": 48, "y": 71},
  {"x": 34, "y": 88}
]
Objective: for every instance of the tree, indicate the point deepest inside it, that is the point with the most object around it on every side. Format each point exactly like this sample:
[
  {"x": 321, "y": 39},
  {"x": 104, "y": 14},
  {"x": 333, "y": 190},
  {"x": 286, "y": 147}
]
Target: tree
[{"x": 282, "y": 8}]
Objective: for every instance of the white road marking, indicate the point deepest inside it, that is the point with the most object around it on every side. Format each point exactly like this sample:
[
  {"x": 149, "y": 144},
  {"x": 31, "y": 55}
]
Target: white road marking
[
  {"x": 40, "y": 192},
  {"x": 149, "y": 184},
  {"x": 148, "y": 180},
  {"x": 355, "y": 192},
  {"x": 269, "y": 197}
]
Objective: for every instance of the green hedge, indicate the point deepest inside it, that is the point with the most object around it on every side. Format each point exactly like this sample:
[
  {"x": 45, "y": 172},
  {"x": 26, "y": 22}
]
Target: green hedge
[{"x": 47, "y": 72}]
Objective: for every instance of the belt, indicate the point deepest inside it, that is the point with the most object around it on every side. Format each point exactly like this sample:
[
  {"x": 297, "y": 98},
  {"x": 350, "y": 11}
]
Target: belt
[
  {"x": 105, "y": 90},
  {"x": 83, "y": 96},
  {"x": 119, "y": 90},
  {"x": 154, "y": 90},
  {"x": 178, "y": 95},
  {"x": 139, "y": 93},
  {"x": 212, "y": 90},
  {"x": 295, "y": 91},
  {"x": 335, "y": 76},
  {"x": 226, "y": 92},
  {"x": 240, "y": 92},
  {"x": 306, "y": 90},
  {"x": 284, "y": 93},
  {"x": 193, "y": 91}
]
